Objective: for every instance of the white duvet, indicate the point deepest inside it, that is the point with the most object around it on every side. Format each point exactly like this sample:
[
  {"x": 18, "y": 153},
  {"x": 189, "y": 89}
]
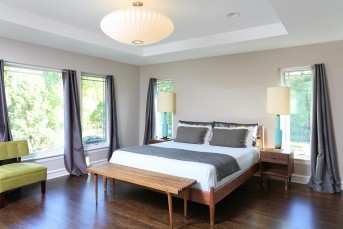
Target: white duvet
[{"x": 205, "y": 174}]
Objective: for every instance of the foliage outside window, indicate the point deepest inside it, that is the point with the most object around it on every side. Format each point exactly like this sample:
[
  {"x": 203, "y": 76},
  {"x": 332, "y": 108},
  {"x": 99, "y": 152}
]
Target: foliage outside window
[
  {"x": 35, "y": 107},
  {"x": 164, "y": 85},
  {"x": 297, "y": 126},
  {"x": 94, "y": 133}
]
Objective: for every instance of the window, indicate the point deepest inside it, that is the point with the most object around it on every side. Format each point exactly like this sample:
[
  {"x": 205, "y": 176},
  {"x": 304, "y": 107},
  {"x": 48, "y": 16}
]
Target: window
[
  {"x": 164, "y": 85},
  {"x": 35, "y": 107},
  {"x": 94, "y": 113},
  {"x": 297, "y": 126}
]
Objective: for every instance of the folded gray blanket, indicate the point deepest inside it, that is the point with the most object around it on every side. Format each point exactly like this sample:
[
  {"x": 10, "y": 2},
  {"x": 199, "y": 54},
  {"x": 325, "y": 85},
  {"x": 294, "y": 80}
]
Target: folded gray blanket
[{"x": 224, "y": 164}]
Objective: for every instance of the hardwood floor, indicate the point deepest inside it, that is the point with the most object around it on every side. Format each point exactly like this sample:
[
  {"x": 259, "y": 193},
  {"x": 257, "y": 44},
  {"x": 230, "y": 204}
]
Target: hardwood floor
[{"x": 70, "y": 203}]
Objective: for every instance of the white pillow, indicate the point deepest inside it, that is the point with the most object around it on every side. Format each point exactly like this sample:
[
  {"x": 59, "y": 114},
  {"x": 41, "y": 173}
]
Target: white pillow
[
  {"x": 208, "y": 134},
  {"x": 251, "y": 134}
]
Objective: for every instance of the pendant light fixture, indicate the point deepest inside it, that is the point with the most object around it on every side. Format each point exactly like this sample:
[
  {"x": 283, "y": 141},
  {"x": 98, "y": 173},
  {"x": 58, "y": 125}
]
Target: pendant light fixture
[{"x": 136, "y": 25}]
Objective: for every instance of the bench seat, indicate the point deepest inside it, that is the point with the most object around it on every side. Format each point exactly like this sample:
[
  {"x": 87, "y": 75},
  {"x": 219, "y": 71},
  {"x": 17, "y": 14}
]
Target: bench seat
[{"x": 21, "y": 174}]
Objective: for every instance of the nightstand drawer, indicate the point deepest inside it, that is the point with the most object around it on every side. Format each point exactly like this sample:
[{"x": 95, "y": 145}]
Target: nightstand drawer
[{"x": 278, "y": 158}]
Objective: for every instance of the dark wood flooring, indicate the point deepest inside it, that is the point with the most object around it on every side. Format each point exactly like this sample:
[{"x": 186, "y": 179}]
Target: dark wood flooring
[{"x": 70, "y": 203}]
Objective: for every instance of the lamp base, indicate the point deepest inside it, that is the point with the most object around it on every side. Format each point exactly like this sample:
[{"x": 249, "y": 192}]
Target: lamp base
[
  {"x": 278, "y": 138},
  {"x": 164, "y": 126},
  {"x": 278, "y": 134}
]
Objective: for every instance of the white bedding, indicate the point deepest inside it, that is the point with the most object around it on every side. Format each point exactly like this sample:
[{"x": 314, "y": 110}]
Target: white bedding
[{"x": 205, "y": 174}]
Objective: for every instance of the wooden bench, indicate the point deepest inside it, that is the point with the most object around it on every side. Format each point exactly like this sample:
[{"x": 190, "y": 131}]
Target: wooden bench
[
  {"x": 152, "y": 180},
  {"x": 18, "y": 174}
]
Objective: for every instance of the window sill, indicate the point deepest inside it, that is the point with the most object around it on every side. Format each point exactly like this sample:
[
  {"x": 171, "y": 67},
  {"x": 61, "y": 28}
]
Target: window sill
[
  {"x": 97, "y": 150},
  {"x": 55, "y": 155},
  {"x": 43, "y": 156},
  {"x": 302, "y": 161}
]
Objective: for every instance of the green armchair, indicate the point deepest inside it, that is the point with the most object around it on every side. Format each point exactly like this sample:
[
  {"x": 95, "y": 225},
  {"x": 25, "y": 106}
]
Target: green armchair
[{"x": 18, "y": 174}]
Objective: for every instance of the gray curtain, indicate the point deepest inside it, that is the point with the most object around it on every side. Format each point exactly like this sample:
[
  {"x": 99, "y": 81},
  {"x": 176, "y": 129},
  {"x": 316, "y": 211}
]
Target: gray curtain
[
  {"x": 324, "y": 168},
  {"x": 5, "y": 131},
  {"x": 112, "y": 116},
  {"x": 150, "y": 111},
  {"x": 74, "y": 158}
]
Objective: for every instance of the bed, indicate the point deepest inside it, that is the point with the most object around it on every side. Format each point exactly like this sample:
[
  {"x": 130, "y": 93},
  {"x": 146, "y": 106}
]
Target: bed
[{"x": 209, "y": 190}]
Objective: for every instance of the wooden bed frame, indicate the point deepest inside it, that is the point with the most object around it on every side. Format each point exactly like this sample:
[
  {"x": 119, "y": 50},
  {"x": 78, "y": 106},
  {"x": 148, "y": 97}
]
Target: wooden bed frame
[{"x": 212, "y": 197}]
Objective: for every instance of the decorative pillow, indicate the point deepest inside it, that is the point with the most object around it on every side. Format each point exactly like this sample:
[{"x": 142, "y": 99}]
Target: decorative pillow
[
  {"x": 208, "y": 125},
  {"x": 229, "y": 137},
  {"x": 193, "y": 135},
  {"x": 252, "y": 130}
]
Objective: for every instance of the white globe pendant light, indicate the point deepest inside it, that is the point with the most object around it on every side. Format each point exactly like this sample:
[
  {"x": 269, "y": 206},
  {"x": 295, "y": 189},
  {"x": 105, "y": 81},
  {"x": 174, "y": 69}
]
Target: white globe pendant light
[{"x": 136, "y": 25}]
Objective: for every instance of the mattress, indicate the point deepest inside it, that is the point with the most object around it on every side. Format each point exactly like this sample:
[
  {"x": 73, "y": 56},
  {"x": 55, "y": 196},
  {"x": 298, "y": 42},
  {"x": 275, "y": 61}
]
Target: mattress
[{"x": 205, "y": 174}]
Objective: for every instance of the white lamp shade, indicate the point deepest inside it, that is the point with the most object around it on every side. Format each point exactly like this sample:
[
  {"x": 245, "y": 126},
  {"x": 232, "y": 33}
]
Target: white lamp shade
[
  {"x": 165, "y": 101},
  {"x": 278, "y": 100},
  {"x": 136, "y": 25}
]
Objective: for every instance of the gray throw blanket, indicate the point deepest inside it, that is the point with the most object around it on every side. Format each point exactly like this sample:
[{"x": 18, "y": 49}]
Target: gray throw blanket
[{"x": 224, "y": 164}]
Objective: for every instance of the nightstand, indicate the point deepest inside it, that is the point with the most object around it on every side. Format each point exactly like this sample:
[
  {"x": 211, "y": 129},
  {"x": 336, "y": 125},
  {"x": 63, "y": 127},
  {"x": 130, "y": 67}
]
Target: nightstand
[
  {"x": 158, "y": 140},
  {"x": 277, "y": 164}
]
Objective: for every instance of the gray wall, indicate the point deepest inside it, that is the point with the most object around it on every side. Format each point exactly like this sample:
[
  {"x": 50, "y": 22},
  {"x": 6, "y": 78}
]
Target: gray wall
[
  {"x": 126, "y": 83},
  {"x": 233, "y": 88}
]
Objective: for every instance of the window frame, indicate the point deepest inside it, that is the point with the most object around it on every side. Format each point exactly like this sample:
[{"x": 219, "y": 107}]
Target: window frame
[
  {"x": 285, "y": 119},
  {"x": 159, "y": 115},
  {"x": 43, "y": 153},
  {"x": 105, "y": 144}
]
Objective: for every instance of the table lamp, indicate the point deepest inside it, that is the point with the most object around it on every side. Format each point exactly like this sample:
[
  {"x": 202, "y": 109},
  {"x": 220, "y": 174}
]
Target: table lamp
[
  {"x": 165, "y": 103},
  {"x": 278, "y": 99}
]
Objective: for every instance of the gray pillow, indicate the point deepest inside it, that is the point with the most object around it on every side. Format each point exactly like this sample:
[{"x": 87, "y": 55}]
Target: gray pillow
[
  {"x": 193, "y": 135},
  {"x": 229, "y": 137}
]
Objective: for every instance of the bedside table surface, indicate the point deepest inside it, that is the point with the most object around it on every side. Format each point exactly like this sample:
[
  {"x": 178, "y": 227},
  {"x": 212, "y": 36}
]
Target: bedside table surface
[{"x": 158, "y": 140}]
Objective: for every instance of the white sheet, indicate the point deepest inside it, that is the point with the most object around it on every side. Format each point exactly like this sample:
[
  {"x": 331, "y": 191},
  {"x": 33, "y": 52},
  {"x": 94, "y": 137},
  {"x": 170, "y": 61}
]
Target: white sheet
[{"x": 205, "y": 174}]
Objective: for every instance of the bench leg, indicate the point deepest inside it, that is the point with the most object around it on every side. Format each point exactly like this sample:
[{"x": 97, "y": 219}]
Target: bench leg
[
  {"x": 2, "y": 200},
  {"x": 105, "y": 184},
  {"x": 43, "y": 187},
  {"x": 185, "y": 199},
  {"x": 96, "y": 187},
  {"x": 170, "y": 206},
  {"x": 113, "y": 185}
]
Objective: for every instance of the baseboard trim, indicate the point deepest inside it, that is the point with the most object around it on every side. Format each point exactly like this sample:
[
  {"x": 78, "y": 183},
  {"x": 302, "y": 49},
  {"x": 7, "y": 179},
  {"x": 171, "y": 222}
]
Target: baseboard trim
[
  {"x": 63, "y": 172},
  {"x": 300, "y": 179},
  {"x": 57, "y": 173}
]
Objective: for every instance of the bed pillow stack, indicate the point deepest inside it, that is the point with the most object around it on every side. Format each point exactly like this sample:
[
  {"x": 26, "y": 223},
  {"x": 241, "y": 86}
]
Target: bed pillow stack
[
  {"x": 229, "y": 137},
  {"x": 236, "y": 135},
  {"x": 251, "y": 133},
  {"x": 194, "y": 132},
  {"x": 193, "y": 135}
]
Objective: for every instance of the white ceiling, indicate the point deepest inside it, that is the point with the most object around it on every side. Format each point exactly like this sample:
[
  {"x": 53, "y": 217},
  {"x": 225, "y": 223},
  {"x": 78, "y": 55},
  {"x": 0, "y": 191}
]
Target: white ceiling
[{"x": 202, "y": 28}]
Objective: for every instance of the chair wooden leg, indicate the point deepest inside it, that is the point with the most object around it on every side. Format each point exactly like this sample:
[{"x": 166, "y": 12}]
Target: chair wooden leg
[
  {"x": 2, "y": 200},
  {"x": 43, "y": 187}
]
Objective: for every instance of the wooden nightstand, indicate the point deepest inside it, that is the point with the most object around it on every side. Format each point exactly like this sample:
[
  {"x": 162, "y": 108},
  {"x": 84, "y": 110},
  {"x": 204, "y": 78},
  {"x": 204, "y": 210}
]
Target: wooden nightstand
[
  {"x": 158, "y": 140},
  {"x": 277, "y": 164}
]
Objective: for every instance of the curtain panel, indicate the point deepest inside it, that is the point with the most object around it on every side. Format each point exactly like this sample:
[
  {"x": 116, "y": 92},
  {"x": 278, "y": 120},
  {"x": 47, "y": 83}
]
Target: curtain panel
[
  {"x": 5, "y": 130},
  {"x": 74, "y": 158},
  {"x": 150, "y": 118},
  {"x": 324, "y": 167},
  {"x": 112, "y": 116}
]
